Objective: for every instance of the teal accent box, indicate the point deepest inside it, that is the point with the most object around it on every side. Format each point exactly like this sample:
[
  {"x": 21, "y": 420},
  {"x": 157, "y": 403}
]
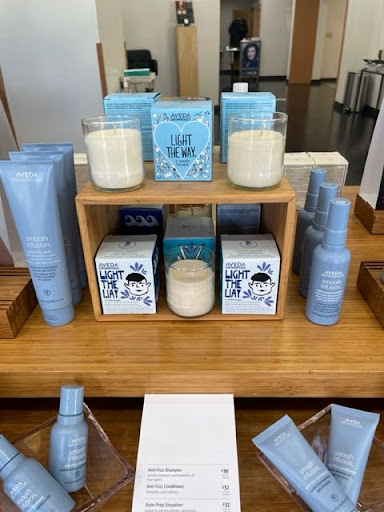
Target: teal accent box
[
  {"x": 182, "y": 139},
  {"x": 182, "y": 231},
  {"x": 240, "y": 103},
  {"x": 135, "y": 104}
]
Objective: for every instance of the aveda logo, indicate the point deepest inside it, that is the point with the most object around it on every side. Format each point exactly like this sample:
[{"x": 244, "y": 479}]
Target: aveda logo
[
  {"x": 26, "y": 174},
  {"x": 180, "y": 116}
]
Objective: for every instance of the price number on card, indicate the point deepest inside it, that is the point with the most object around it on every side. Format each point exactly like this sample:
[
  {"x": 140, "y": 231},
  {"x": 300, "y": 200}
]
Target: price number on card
[
  {"x": 224, "y": 472},
  {"x": 226, "y": 506}
]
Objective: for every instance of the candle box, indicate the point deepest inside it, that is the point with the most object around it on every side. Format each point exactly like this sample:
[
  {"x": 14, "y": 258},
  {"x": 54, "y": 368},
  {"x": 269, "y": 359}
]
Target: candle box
[
  {"x": 238, "y": 219},
  {"x": 240, "y": 102},
  {"x": 297, "y": 169},
  {"x": 127, "y": 273},
  {"x": 135, "y": 104},
  {"x": 143, "y": 220},
  {"x": 335, "y": 164},
  {"x": 182, "y": 139},
  {"x": 189, "y": 231},
  {"x": 250, "y": 269}
]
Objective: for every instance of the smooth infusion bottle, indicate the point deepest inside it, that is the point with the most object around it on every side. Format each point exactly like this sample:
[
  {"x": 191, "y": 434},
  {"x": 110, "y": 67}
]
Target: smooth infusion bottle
[
  {"x": 28, "y": 484},
  {"x": 330, "y": 266},
  {"x": 69, "y": 440},
  {"x": 306, "y": 215}
]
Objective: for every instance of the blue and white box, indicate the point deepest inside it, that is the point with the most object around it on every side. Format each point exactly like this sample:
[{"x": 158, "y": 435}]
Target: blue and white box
[
  {"x": 183, "y": 139},
  {"x": 135, "y": 104},
  {"x": 250, "y": 270},
  {"x": 143, "y": 220},
  {"x": 181, "y": 231},
  {"x": 238, "y": 219},
  {"x": 128, "y": 275},
  {"x": 239, "y": 103}
]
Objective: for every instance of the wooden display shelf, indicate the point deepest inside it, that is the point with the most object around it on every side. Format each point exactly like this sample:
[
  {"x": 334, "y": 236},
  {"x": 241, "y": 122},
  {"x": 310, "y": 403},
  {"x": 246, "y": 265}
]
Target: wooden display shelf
[
  {"x": 98, "y": 214},
  {"x": 121, "y": 421},
  {"x": 372, "y": 287},
  {"x": 372, "y": 219},
  {"x": 289, "y": 358}
]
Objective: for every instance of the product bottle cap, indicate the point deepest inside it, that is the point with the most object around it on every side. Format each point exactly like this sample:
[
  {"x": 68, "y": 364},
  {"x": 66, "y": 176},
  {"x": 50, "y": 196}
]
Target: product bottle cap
[
  {"x": 337, "y": 224},
  {"x": 240, "y": 87},
  {"x": 71, "y": 400},
  {"x": 327, "y": 192},
  {"x": 317, "y": 177},
  {"x": 7, "y": 452}
]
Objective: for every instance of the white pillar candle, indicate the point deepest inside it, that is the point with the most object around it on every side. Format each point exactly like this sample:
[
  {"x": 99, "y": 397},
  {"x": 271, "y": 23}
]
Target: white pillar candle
[
  {"x": 115, "y": 158},
  {"x": 190, "y": 287},
  {"x": 255, "y": 158}
]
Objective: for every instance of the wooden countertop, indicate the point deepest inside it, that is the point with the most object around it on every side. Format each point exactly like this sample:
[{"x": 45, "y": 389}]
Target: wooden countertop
[{"x": 287, "y": 358}]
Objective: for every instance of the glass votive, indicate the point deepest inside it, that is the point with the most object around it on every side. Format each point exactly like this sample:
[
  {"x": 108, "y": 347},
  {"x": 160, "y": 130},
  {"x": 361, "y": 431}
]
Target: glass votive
[
  {"x": 256, "y": 145},
  {"x": 115, "y": 154},
  {"x": 196, "y": 210},
  {"x": 190, "y": 280}
]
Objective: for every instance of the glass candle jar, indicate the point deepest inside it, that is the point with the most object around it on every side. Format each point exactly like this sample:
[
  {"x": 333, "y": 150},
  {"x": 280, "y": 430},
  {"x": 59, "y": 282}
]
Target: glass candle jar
[
  {"x": 114, "y": 149},
  {"x": 190, "y": 280},
  {"x": 195, "y": 210},
  {"x": 256, "y": 145}
]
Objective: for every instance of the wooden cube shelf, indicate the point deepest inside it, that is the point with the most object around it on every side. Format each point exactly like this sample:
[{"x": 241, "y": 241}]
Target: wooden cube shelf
[{"x": 98, "y": 214}]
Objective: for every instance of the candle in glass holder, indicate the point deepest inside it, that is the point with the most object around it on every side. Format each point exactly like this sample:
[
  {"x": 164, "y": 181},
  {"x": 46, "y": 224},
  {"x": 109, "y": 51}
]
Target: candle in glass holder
[
  {"x": 256, "y": 150},
  {"x": 190, "y": 282},
  {"x": 114, "y": 150}
]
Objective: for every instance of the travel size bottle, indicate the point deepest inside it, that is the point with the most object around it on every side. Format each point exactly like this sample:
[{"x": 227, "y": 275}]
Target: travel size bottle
[
  {"x": 69, "y": 440},
  {"x": 330, "y": 266},
  {"x": 28, "y": 484},
  {"x": 306, "y": 215},
  {"x": 313, "y": 235}
]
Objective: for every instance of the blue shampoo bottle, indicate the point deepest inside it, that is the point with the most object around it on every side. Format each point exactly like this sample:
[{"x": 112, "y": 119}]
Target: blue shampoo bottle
[
  {"x": 69, "y": 440},
  {"x": 306, "y": 215},
  {"x": 313, "y": 235},
  {"x": 330, "y": 266},
  {"x": 28, "y": 484}
]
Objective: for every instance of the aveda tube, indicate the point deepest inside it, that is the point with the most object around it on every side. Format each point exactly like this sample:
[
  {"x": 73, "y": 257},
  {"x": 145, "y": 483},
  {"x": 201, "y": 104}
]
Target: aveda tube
[
  {"x": 288, "y": 450},
  {"x": 349, "y": 444},
  {"x": 32, "y": 196}
]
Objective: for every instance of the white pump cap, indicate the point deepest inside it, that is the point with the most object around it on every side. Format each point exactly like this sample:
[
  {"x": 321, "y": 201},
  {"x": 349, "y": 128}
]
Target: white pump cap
[{"x": 240, "y": 87}]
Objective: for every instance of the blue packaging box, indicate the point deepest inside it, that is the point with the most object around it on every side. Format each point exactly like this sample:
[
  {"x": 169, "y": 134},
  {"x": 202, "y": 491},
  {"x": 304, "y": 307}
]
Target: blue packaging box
[
  {"x": 143, "y": 220},
  {"x": 183, "y": 139},
  {"x": 238, "y": 219},
  {"x": 189, "y": 230},
  {"x": 135, "y": 104},
  {"x": 241, "y": 102}
]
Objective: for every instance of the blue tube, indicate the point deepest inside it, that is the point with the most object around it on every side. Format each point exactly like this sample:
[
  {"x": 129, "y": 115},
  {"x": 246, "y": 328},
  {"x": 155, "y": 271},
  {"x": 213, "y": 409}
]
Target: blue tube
[
  {"x": 288, "y": 450},
  {"x": 349, "y": 444},
  {"x": 31, "y": 193},
  {"x": 65, "y": 212},
  {"x": 69, "y": 168}
]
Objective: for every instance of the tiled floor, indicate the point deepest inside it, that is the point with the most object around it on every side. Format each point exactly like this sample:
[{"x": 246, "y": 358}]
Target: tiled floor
[{"x": 314, "y": 124}]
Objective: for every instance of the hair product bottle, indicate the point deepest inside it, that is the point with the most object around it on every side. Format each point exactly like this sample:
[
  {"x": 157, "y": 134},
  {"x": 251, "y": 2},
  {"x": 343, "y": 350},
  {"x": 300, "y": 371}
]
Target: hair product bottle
[
  {"x": 69, "y": 440},
  {"x": 28, "y": 484},
  {"x": 306, "y": 215},
  {"x": 330, "y": 266},
  {"x": 314, "y": 234}
]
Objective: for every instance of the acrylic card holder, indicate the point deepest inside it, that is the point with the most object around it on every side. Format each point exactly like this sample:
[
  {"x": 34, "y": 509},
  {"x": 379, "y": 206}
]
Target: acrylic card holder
[
  {"x": 107, "y": 470},
  {"x": 316, "y": 431}
]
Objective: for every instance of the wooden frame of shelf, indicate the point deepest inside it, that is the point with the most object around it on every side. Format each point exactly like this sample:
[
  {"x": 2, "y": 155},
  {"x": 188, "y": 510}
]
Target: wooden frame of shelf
[{"x": 98, "y": 214}]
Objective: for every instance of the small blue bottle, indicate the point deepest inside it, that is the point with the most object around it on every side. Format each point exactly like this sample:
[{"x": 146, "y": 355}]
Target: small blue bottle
[
  {"x": 69, "y": 440},
  {"x": 28, "y": 484},
  {"x": 313, "y": 235},
  {"x": 306, "y": 215},
  {"x": 330, "y": 266}
]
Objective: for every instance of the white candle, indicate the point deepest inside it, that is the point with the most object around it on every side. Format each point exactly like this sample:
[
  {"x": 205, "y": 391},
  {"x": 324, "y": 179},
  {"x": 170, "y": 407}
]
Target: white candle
[
  {"x": 255, "y": 158},
  {"x": 190, "y": 287},
  {"x": 115, "y": 158}
]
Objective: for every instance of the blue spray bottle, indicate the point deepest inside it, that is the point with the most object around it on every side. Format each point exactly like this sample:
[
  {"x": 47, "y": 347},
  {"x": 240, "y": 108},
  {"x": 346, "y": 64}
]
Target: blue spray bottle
[
  {"x": 330, "y": 266},
  {"x": 313, "y": 235},
  {"x": 69, "y": 440},
  {"x": 28, "y": 484},
  {"x": 305, "y": 216}
]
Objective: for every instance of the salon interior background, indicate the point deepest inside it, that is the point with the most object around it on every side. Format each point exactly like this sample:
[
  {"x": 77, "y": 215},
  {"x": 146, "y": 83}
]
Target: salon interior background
[{"x": 49, "y": 62}]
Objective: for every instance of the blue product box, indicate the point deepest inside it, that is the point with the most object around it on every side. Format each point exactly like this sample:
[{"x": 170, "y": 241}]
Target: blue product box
[
  {"x": 183, "y": 139},
  {"x": 135, "y": 104},
  {"x": 143, "y": 220},
  {"x": 240, "y": 102},
  {"x": 238, "y": 219},
  {"x": 189, "y": 230}
]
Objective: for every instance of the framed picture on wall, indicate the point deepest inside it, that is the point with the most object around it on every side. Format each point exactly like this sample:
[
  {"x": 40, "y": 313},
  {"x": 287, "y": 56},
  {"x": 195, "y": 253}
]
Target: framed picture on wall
[
  {"x": 184, "y": 13},
  {"x": 250, "y": 58}
]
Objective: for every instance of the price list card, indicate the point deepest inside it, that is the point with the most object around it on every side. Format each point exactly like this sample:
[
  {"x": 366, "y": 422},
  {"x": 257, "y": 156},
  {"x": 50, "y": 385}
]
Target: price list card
[{"x": 187, "y": 460}]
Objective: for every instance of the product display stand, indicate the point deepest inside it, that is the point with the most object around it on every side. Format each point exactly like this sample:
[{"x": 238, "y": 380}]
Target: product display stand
[
  {"x": 372, "y": 219},
  {"x": 372, "y": 287},
  {"x": 187, "y": 61}
]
